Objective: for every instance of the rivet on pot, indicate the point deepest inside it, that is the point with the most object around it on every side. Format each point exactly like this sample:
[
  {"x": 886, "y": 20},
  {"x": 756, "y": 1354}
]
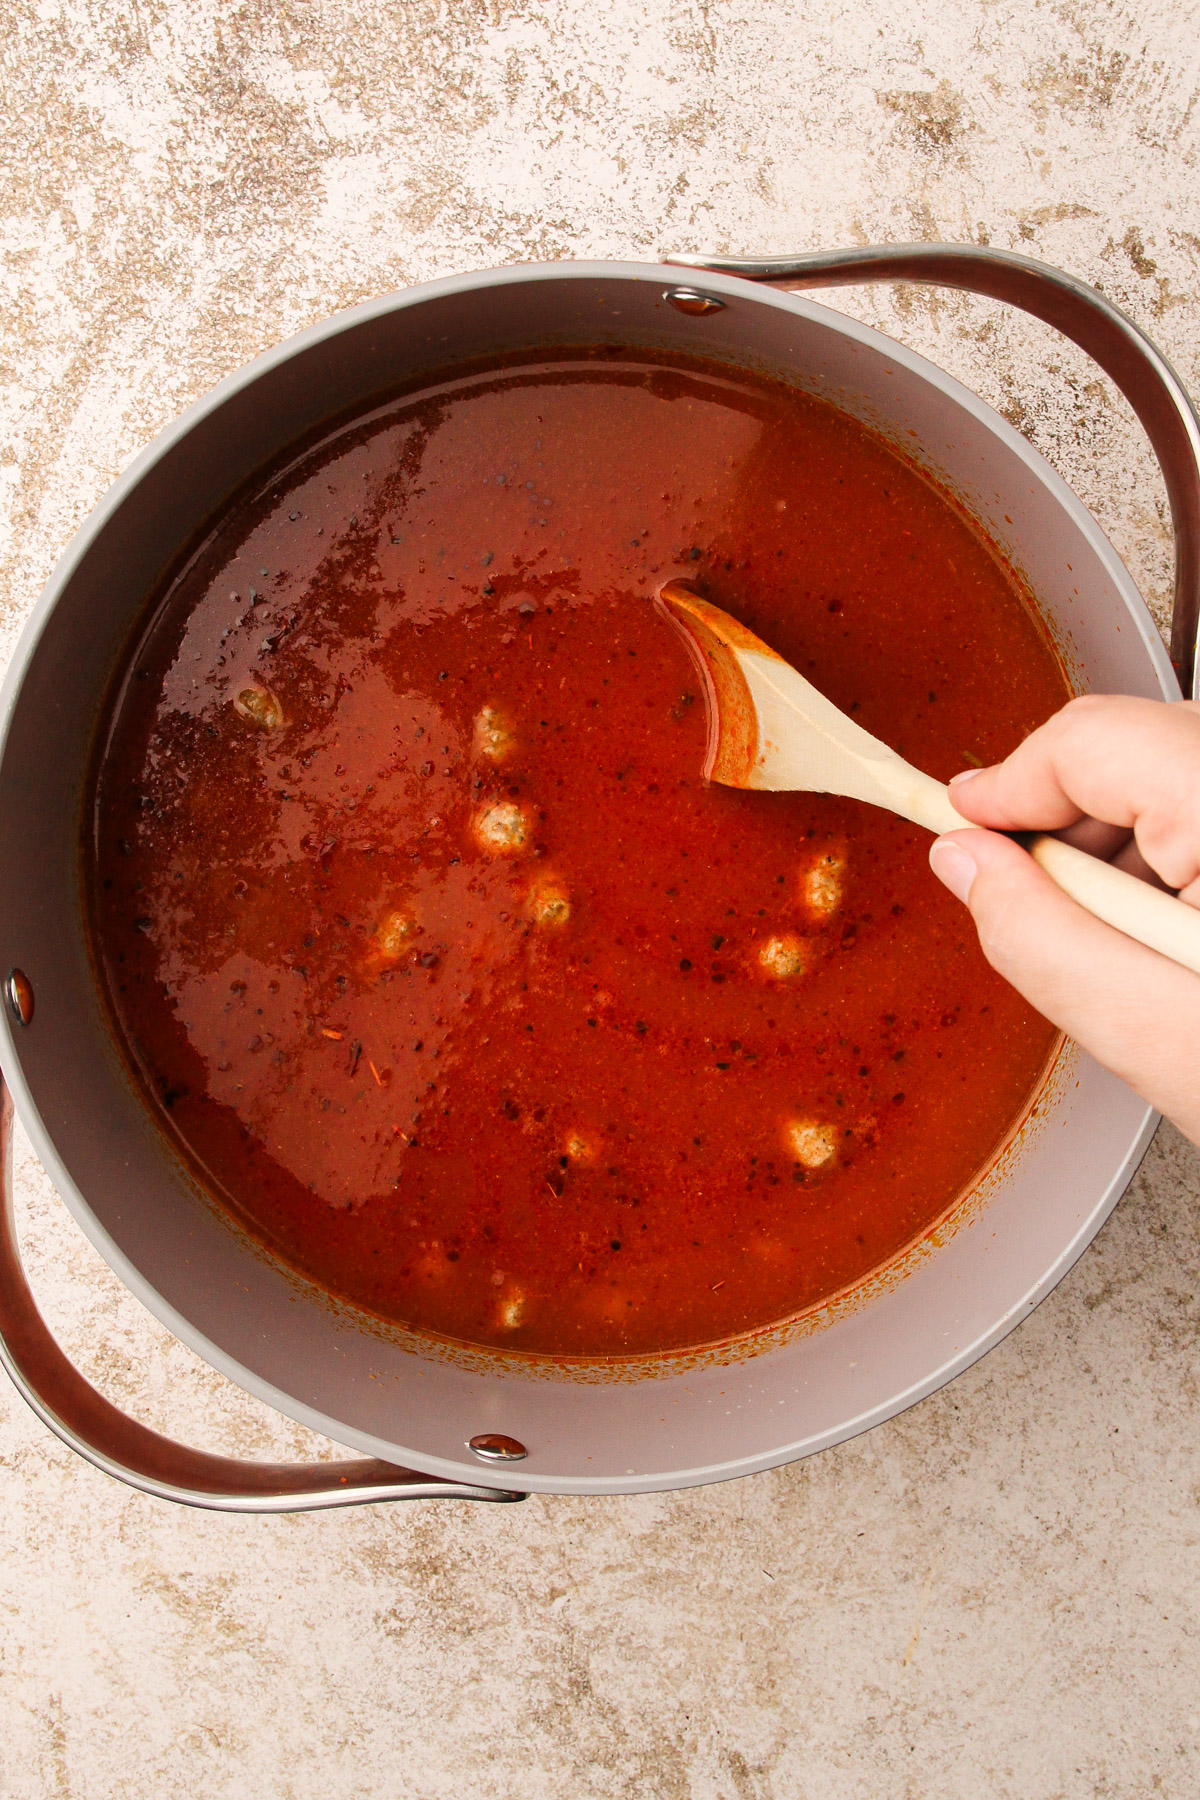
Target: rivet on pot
[
  {"x": 19, "y": 994},
  {"x": 687, "y": 300},
  {"x": 493, "y": 1446}
]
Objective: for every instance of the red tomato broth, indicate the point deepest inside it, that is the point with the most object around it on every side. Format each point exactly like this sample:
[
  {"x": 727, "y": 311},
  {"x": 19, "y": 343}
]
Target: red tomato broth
[{"x": 384, "y": 1047}]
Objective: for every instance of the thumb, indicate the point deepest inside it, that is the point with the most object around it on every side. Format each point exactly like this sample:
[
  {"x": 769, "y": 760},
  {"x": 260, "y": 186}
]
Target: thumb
[{"x": 1135, "y": 1011}]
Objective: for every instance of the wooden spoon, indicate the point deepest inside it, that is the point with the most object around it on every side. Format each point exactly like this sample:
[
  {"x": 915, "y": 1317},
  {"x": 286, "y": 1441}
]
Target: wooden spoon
[{"x": 769, "y": 728}]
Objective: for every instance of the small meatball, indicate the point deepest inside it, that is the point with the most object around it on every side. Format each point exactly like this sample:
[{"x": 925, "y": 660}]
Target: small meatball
[
  {"x": 511, "y": 1311},
  {"x": 783, "y": 958},
  {"x": 811, "y": 1143},
  {"x": 395, "y": 933},
  {"x": 493, "y": 737},
  {"x": 261, "y": 707},
  {"x": 821, "y": 886},
  {"x": 500, "y": 829},
  {"x": 549, "y": 905}
]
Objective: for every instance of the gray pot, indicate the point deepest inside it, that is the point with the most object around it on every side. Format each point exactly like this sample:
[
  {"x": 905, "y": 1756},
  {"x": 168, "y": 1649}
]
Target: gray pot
[{"x": 445, "y": 1423}]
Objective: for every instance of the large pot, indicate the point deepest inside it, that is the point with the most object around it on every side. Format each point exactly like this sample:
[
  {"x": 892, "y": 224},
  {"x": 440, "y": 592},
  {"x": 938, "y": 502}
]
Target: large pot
[{"x": 435, "y": 1418}]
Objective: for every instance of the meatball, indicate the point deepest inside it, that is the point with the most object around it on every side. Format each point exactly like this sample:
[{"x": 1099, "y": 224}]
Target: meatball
[
  {"x": 501, "y": 829},
  {"x": 821, "y": 885},
  {"x": 511, "y": 1311},
  {"x": 261, "y": 707},
  {"x": 813, "y": 1144},
  {"x": 783, "y": 957},
  {"x": 394, "y": 934},
  {"x": 549, "y": 904},
  {"x": 493, "y": 738}
]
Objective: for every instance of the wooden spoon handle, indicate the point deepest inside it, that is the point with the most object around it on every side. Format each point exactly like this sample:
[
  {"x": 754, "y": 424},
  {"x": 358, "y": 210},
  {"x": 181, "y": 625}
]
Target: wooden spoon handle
[
  {"x": 1146, "y": 913},
  {"x": 1154, "y": 918}
]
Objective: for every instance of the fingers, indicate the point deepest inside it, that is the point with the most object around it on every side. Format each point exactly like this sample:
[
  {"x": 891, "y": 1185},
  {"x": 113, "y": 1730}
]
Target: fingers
[
  {"x": 1136, "y": 1012},
  {"x": 1128, "y": 762},
  {"x": 1097, "y": 838},
  {"x": 1119, "y": 777},
  {"x": 1111, "y": 843},
  {"x": 1130, "y": 858}
]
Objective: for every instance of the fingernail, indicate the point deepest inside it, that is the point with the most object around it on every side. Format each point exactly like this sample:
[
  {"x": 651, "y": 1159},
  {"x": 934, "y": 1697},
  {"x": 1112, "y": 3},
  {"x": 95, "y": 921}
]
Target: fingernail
[
  {"x": 964, "y": 776},
  {"x": 953, "y": 866}
]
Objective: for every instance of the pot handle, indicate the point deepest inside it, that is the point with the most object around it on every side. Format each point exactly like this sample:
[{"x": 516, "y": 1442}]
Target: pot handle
[
  {"x": 1080, "y": 312},
  {"x": 109, "y": 1440}
]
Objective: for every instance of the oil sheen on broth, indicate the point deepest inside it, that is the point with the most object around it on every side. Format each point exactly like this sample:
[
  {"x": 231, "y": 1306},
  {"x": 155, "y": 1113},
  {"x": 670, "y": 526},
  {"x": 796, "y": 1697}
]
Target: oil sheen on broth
[{"x": 447, "y": 971}]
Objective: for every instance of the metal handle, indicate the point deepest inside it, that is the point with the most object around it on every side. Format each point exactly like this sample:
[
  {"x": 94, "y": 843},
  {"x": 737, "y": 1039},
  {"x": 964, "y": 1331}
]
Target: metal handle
[
  {"x": 1080, "y": 312},
  {"x": 111, "y": 1441}
]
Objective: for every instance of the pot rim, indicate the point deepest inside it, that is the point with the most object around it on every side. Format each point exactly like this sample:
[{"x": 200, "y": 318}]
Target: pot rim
[{"x": 731, "y": 288}]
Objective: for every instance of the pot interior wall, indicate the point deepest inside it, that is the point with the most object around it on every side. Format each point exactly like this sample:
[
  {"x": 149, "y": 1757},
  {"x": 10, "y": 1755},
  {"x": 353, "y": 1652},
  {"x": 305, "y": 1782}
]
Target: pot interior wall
[{"x": 690, "y": 1421}]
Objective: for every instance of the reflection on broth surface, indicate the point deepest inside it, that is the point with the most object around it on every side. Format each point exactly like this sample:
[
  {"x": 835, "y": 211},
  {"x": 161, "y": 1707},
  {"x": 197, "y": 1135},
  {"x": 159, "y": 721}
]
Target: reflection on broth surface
[{"x": 451, "y": 975}]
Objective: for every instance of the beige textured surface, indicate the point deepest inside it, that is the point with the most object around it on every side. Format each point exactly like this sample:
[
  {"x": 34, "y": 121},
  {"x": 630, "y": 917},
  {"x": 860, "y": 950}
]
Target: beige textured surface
[{"x": 999, "y": 1593}]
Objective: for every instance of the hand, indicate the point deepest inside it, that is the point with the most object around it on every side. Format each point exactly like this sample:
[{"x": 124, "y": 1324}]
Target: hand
[{"x": 1119, "y": 777}]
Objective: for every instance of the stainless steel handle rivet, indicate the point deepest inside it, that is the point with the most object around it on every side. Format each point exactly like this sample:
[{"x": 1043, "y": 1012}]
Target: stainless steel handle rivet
[
  {"x": 18, "y": 991},
  {"x": 493, "y": 1446},
  {"x": 698, "y": 306}
]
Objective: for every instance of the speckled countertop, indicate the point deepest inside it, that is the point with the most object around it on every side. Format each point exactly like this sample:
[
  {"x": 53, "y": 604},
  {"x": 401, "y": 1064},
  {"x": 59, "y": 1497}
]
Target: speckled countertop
[{"x": 997, "y": 1594}]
